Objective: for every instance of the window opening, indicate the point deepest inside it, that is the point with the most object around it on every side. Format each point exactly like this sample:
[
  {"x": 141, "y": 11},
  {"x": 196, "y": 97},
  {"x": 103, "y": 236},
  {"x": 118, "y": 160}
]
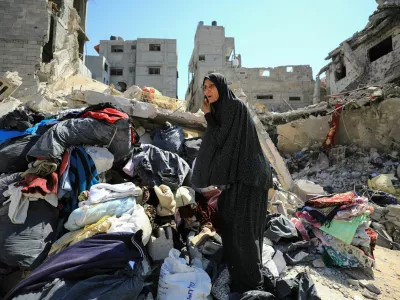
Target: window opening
[
  {"x": 202, "y": 58},
  {"x": 266, "y": 73},
  {"x": 155, "y": 47},
  {"x": 265, "y": 97},
  {"x": 117, "y": 48},
  {"x": 383, "y": 48},
  {"x": 295, "y": 98},
  {"x": 116, "y": 71},
  {"x": 154, "y": 70},
  {"x": 105, "y": 67}
]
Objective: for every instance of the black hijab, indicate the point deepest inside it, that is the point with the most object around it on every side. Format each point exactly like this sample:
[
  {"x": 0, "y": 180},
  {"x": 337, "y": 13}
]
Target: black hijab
[{"x": 230, "y": 151}]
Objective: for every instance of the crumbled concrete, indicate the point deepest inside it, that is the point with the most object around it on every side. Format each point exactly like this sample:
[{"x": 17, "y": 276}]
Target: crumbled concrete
[
  {"x": 9, "y": 83},
  {"x": 370, "y": 286}
]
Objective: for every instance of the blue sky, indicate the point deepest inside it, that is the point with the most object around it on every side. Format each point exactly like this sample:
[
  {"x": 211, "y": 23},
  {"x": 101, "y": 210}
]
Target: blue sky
[{"x": 268, "y": 33}]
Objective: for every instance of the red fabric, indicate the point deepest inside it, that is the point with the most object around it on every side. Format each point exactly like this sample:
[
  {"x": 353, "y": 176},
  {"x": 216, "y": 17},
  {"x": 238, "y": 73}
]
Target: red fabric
[
  {"x": 330, "y": 140},
  {"x": 109, "y": 115},
  {"x": 35, "y": 184},
  {"x": 332, "y": 200}
]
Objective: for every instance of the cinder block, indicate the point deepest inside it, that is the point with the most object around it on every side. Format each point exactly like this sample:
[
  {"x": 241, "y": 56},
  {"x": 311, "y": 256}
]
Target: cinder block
[{"x": 8, "y": 84}]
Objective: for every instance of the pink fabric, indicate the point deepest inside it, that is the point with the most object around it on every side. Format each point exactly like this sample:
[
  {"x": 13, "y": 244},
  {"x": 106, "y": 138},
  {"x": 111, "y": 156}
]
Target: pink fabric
[
  {"x": 300, "y": 227},
  {"x": 212, "y": 197},
  {"x": 306, "y": 216},
  {"x": 320, "y": 236}
]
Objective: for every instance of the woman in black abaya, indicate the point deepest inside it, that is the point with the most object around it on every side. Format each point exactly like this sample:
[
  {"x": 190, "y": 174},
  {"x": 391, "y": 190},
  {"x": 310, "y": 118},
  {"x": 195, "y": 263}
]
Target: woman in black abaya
[{"x": 231, "y": 158}]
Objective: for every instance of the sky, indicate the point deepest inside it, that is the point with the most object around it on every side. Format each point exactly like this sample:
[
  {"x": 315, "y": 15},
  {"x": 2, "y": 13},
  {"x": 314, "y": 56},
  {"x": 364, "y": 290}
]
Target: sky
[{"x": 267, "y": 33}]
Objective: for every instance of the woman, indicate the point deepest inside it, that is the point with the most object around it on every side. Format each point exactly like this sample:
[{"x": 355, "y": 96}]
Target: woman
[{"x": 231, "y": 158}]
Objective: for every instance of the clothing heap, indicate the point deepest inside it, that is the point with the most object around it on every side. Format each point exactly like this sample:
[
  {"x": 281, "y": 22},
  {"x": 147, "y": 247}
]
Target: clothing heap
[
  {"x": 87, "y": 211},
  {"x": 341, "y": 224}
]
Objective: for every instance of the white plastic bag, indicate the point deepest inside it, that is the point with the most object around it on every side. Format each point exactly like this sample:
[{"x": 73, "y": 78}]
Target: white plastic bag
[{"x": 180, "y": 281}]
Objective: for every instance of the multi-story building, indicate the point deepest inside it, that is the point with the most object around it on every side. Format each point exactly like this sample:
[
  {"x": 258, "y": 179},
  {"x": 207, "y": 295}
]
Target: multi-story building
[
  {"x": 142, "y": 62},
  {"x": 280, "y": 88}
]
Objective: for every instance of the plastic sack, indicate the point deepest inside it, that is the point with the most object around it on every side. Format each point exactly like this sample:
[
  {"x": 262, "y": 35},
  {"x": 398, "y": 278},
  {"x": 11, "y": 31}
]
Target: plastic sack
[
  {"x": 180, "y": 281},
  {"x": 103, "y": 159},
  {"x": 169, "y": 138},
  {"x": 382, "y": 183},
  {"x": 132, "y": 221},
  {"x": 90, "y": 214}
]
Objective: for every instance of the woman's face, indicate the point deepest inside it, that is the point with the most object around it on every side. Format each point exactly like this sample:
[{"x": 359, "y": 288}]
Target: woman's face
[{"x": 210, "y": 91}]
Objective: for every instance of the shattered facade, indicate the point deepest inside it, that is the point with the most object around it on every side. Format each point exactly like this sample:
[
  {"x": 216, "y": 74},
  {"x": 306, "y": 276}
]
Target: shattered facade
[
  {"x": 42, "y": 40},
  {"x": 371, "y": 56},
  {"x": 142, "y": 62},
  {"x": 279, "y": 89}
]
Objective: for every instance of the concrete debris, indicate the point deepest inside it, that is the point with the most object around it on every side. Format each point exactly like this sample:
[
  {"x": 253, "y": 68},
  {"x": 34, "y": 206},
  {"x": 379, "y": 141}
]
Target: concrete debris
[
  {"x": 318, "y": 263},
  {"x": 9, "y": 83},
  {"x": 370, "y": 286}
]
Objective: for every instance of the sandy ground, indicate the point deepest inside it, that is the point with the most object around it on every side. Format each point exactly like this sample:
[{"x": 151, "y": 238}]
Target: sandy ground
[{"x": 333, "y": 283}]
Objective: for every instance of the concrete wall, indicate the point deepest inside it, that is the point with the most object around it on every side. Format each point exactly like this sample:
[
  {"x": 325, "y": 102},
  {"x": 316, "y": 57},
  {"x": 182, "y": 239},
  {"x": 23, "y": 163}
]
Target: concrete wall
[
  {"x": 24, "y": 30},
  {"x": 213, "y": 52},
  {"x": 96, "y": 65},
  {"x": 377, "y": 126},
  {"x": 359, "y": 67},
  {"x": 167, "y": 59},
  {"x": 26, "y": 27}
]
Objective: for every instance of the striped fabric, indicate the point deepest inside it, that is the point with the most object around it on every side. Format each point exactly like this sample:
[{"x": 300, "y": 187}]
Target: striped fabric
[{"x": 82, "y": 174}]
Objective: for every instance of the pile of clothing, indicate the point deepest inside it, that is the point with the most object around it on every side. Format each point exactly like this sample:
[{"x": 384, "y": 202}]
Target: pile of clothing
[{"x": 342, "y": 225}]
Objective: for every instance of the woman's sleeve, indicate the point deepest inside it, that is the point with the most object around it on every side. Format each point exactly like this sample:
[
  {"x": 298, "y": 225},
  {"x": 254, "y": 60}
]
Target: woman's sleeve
[{"x": 220, "y": 133}]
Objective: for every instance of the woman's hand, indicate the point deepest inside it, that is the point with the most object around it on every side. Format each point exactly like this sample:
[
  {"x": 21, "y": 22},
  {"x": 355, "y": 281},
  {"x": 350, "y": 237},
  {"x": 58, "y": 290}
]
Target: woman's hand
[{"x": 205, "y": 107}]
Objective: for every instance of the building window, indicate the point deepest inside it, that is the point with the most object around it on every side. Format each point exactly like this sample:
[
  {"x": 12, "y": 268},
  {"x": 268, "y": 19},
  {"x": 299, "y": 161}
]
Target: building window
[
  {"x": 105, "y": 67},
  {"x": 155, "y": 47},
  {"x": 117, "y": 48},
  {"x": 289, "y": 69},
  {"x": 154, "y": 70},
  {"x": 116, "y": 71},
  {"x": 133, "y": 47},
  {"x": 265, "y": 97},
  {"x": 242, "y": 72},
  {"x": 265, "y": 73},
  {"x": 383, "y": 48},
  {"x": 295, "y": 98},
  {"x": 202, "y": 58}
]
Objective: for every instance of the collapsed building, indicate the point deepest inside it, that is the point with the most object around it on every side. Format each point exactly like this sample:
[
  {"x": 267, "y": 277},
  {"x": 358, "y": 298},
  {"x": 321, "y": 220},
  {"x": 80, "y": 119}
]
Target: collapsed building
[
  {"x": 280, "y": 89},
  {"x": 371, "y": 56},
  {"x": 141, "y": 62},
  {"x": 42, "y": 40}
]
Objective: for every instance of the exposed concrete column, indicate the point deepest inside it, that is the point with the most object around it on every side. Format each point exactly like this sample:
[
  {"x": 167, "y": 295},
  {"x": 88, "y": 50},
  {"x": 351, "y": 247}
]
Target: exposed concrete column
[
  {"x": 317, "y": 90},
  {"x": 272, "y": 153}
]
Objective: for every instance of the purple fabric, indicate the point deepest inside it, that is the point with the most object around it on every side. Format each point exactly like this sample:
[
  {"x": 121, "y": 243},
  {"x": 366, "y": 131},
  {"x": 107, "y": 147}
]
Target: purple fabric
[{"x": 100, "y": 254}]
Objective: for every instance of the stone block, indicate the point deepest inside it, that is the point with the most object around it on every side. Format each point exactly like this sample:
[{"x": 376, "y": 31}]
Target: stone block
[{"x": 8, "y": 84}]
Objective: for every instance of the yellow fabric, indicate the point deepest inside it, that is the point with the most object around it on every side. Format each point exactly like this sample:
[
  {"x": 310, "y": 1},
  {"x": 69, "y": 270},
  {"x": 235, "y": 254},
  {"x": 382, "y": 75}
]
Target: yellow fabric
[{"x": 70, "y": 238}]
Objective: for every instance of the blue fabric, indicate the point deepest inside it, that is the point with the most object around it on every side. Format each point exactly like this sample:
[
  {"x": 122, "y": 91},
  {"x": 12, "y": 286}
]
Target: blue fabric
[
  {"x": 82, "y": 174},
  {"x": 10, "y": 134}
]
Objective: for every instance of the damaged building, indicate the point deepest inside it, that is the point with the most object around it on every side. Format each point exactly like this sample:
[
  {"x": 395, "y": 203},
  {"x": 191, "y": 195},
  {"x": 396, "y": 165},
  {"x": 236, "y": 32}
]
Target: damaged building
[
  {"x": 371, "y": 56},
  {"x": 142, "y": 62},
  {"x": 278, "y": 89},
  {"x": 42, "y": 40}
]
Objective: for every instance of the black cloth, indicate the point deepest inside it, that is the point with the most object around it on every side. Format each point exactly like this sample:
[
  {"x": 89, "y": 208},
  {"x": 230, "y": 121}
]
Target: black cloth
[
  {"x": 230, "y": 151},
  {"x": 26, "y": 245},
  {"x": 76, "y": 132},
  {"x": 13, "y": 153},
  {"x": 279, "y": 227},
  {"x": 242, "y": 211},
  {"x": 300, "y": 288},
  {"x": 156, "y": 166},
  {"x": 19, "y": 120},
  {"x": 125, "y": 284},
  {"x": 97, "y": 255},
  {"x": 169, "y": 138}
]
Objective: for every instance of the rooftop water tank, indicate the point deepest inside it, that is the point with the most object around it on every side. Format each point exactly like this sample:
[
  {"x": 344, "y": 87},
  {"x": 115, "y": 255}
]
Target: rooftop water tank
[
  {"x": 201, "y": 23},
  {"x": 113, "y": 38},
  {"x": 214, "y": 23}
]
